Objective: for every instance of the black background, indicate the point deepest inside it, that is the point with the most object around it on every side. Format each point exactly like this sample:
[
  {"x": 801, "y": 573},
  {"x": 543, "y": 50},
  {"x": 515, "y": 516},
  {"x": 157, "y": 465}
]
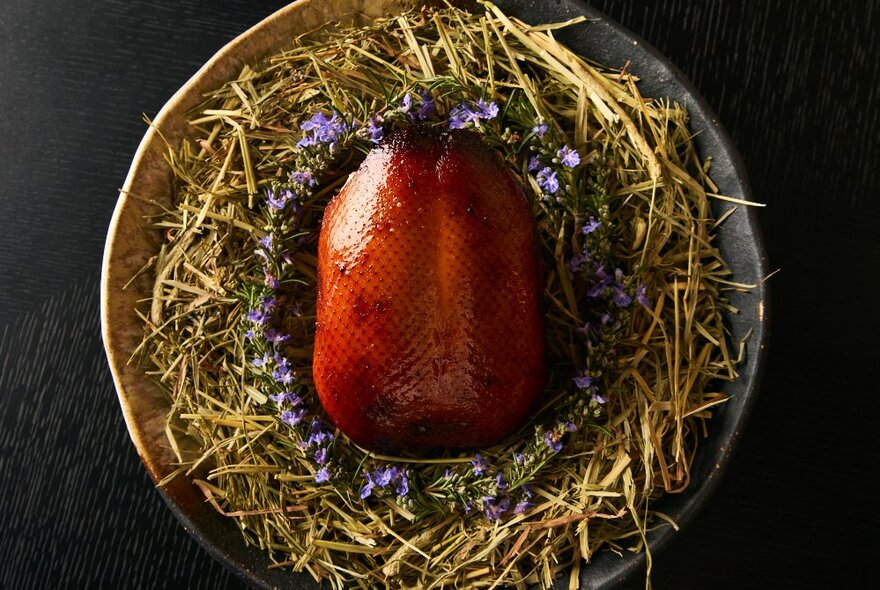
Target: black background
[{"x": 797, "y": 84}]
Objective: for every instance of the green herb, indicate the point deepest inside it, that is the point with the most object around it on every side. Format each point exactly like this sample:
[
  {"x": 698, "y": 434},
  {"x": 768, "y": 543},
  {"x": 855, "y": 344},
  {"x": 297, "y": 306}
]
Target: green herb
[{"x": 635, "y": 355}]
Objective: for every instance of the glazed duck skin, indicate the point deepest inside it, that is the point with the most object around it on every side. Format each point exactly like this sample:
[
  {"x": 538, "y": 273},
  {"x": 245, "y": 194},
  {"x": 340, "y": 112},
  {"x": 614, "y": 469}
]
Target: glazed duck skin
[{"x": 429, "y": 330}]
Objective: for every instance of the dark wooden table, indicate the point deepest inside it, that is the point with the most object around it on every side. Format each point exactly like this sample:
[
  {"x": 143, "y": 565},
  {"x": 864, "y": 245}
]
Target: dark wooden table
[{"x": 796, "y": 83}]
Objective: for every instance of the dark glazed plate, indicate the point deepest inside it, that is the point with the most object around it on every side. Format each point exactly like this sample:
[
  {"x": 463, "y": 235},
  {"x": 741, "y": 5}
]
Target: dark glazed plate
[{"x": 130, "y": 244}]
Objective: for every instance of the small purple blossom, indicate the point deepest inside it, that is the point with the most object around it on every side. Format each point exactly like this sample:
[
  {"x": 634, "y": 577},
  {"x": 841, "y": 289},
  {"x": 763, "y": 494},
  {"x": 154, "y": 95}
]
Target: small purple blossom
[
  {"x": 261, "y": 360},
  {"x": 367, "y": 489},
  {"x": 303, "y": 178},
  {"x": 576, "y": 262},
  {"x": 590, "y": 226},
  {"x": 406, "y": 104},
  {"x": 553, "y": 441},
  {"x": 534, "y": 163},
  {"x": 257, "y": 316},
  {"x": 322, "y": 475},
  {"x": 583, "y": 381},
  {"x": 463, "y": 114},
  {"x": 527, "y": 491},
  {"x": 547, "y": 180},
  {"x": 601, "y": 281},
  {"x": 284, "y": 376},
  {"x": 318, "y": 436},
  {"x": 402, "y": 487},
  {"x": 278, "y": 202},
  {"x": 447, "y": 473},
  {"x": 540, "y": 129},
  {"x": 620, "y": 298},
  {"x": 373, "y": 130},
  {"x": 321, "y": 456},
  {"x": 519, "y": 458},
  {"x": 568, "y": 157},
  {"x": 599, "y": 398},
  {"x": 500, "y": 483},
  {"x": 250, "y": 334},
  {"x": 480, "y": 465},
  {"x": 270, "y": 279},
  {"x": 268, "y": 303},
  {"x": 570, "y": 427},
  {"x": 276, "y": 337},
  {"x": 642, "y": 298},
  {"x": 495, "y": 509},
  {"x": 286, "y": 397},
  {"x": 522, "y": 507},
  {"x": 384, "y": 475},
  {"x": 268, "y": 242},
  {"x": 427, "y": 109},
  {"x": 293, "y": 417},
  {"x": 321, "y": 129}
]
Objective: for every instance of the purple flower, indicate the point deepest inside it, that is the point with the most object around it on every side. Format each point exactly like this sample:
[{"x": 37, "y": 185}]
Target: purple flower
[
  {"x": 552, "y": 440},
  {"x": 480, "y": 464},
  {"x": 487, "y": 110},
  {"x": 260, "y": 360},
  {"x": 602, "y": 281},
  {"x": 534, "y": 162},
  {"x": 591, "y": 226},
  {"x": 463, "y": 114},
  {"x": 568, "y": 157},
  {"x": 267, "y": 242},
  {"x": 499, "y": 481},
  {"x": 276, "y": 337},
  {"x": 406, "y": 104},
  {"x": 257, "y": 316},
  {"x": 599, "y": 398},
  {"x": 285, "y": 376},
  {"x": 519, "y": 458},
  {"x": 321, "y": 456},
  {"x": 540, "y": 129},
  {"x": 268, "y": 303},
  {"x": 293, "y": 417},
  {"x": 321, "y": 129},
  {"x": 250, "y": 334},
  {"x": 547, "y": 180},
  {"x": 402, "y": 487},
  {"x": 522, "y": 507},
  {"x": 621, "y": 299},
  {"x": 527, "y": 491},
  {"x": 384, "y": 475},
  {"x": 571, "y": 427},
  {"x": 576, "y": 262},
  {"x": 427, "y": 109},
  {"x": 319, "y": 435},
  {"x": 286, "y": 397},
  {"x": 447, "y": 473},
  {"x": 583, "y": 381},
  {"x": 374, "y": 131},
  {"x": 270, "y": 280},
  {"x": 642, "y": 298},
  {"x": 303, "y": 178},
  {"x": 322, "y": 475},
  {"x": 279, "y": 202},
  {"x": 493, "y": 509},
  {"x": 368, "y": 487}
]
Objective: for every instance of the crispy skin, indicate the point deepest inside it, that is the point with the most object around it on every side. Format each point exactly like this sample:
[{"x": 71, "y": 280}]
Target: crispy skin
[{"x": 429, "y": 330}]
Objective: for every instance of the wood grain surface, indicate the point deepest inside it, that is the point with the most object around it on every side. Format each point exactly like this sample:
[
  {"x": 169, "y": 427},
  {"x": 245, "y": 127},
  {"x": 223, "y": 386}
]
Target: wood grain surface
[{"x": 796, "y": 83}]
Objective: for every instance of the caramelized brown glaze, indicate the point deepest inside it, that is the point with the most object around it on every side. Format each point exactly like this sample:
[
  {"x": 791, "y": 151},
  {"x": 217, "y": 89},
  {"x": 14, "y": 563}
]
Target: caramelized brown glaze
[{"x": 429, "y": 326}]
